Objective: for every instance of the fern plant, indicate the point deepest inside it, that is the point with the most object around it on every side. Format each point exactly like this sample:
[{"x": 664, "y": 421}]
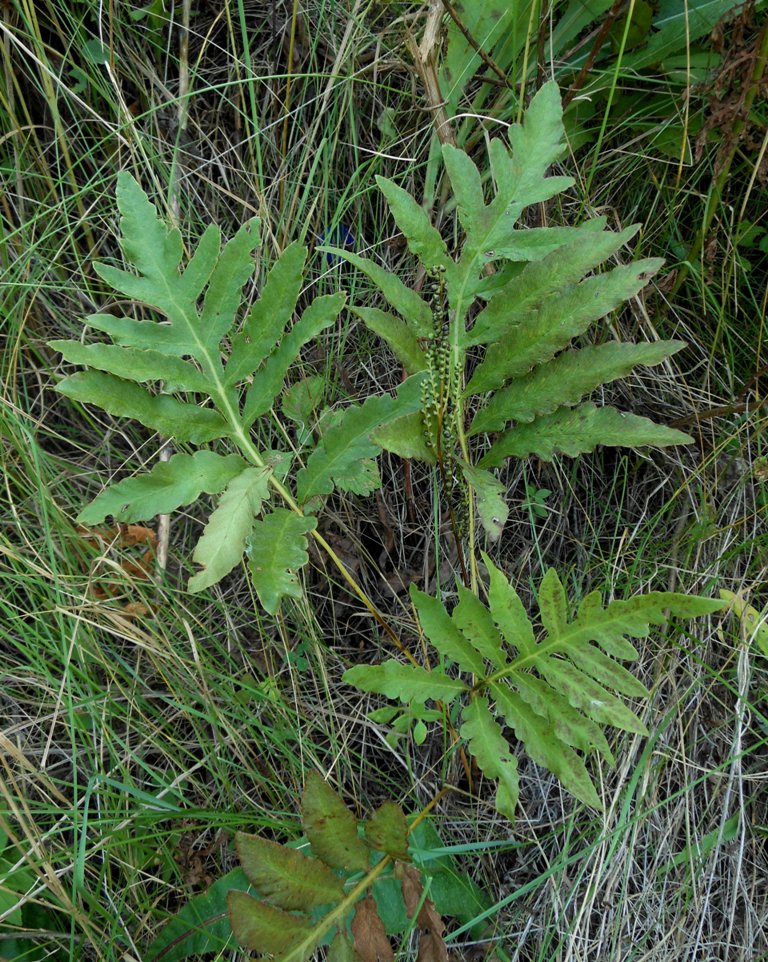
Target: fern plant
[
  {"x": 417, "y": 864},
  {"x": 493, "y": 337},
  {"x": 308, "y": 900},
  {"x": 200, "y": 373},
  {"x": 557, "y": 692}
]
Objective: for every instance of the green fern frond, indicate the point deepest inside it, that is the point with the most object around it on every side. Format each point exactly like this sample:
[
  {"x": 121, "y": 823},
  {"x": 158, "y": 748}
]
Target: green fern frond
[
  {"x": 551, "y": 326},
  {"x": 230, "y": 373},
  {"x": 404, "y": 300},
  {"x": 558, "y": 693},
  {"x": 160, "y": 412},
  {"x": 169, "y": 485},
  {"x": 408, "y": 683},
  {"x": 528, "y": 382},
  {"x": 276, "y": 550},
  {"x": 287, "y": 878},
  {"x": 267, "y": 320},
  {"x": 268, "y": 382},
  {"x": 397, "y": 334},
  {"x": 340, "y": 458},
  {"x": 566, "y": 380},
  {"x": 490, "y": 749},
  {"x": 330, "y": 827},
  {"x": 225, "y": 536},
  {"x": 261, "y": 927},
  {"x": 579, "y": 430}
]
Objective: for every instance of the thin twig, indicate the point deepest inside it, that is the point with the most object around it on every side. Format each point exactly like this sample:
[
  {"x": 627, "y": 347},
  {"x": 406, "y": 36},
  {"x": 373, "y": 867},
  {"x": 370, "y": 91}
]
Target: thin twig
[
  {"x": 602, "y": 36},
  {"x": 485, "y": 57}
]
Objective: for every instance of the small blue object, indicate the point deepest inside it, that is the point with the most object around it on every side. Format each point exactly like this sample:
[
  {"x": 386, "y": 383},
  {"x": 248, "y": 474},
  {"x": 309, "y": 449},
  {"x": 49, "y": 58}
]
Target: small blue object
[{"x": 338, "y": 236}]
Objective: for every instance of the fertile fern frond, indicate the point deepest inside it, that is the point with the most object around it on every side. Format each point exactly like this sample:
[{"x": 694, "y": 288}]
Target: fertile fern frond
[
  {"x": 557, "y": 691},
  {"x": 529, "y": 384}
]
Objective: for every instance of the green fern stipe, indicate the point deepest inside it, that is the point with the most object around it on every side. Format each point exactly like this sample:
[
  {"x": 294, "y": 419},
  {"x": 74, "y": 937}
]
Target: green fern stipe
[{"x": 556, "y": 690}]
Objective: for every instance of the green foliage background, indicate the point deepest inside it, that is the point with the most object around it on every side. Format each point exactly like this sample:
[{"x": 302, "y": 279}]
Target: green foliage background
[{"x": 145, "y": 724}]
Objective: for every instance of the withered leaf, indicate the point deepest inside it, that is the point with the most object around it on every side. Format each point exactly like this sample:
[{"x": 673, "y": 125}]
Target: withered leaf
[
  {"x": 371, "y": 942},
  {"x": 387, "y": 830},
  {"x": 432, "y": 948},
  {"x": 331, "y": 827}
]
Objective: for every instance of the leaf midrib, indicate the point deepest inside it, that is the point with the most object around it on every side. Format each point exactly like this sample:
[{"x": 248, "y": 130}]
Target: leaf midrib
[{"x": 574, "y": 636}]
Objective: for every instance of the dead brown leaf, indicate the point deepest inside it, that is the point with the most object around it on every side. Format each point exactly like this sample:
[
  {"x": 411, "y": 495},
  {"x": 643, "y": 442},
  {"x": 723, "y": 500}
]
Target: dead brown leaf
[
  {"x": 371, "y": 942},
  {"x": 136, "y": 546},
  {"x": 432, "y": 948}
]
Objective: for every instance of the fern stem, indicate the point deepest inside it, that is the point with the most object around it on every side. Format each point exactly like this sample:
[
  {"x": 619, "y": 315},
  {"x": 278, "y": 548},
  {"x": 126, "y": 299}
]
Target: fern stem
[
  {"x": 326, "y": 923},
  {"x": 243, "y": 441},
  {"x": 224, "y": 402},
  {"x": 249, "y": 449},
  {"x": 452, "y": 517},
  {"x": 457, "y": 362}
]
